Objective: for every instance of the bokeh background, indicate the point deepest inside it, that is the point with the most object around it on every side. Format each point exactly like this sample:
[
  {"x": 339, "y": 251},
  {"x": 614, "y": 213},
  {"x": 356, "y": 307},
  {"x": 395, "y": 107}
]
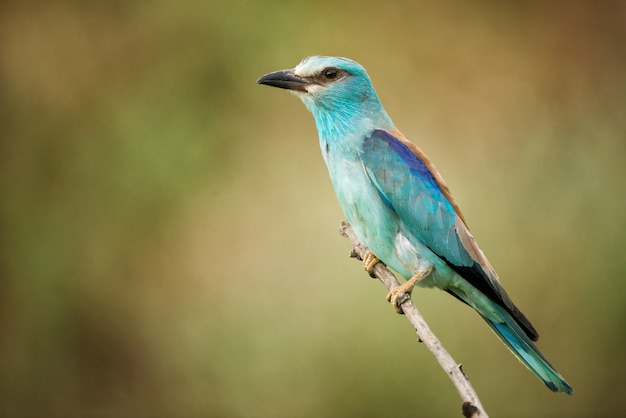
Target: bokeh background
[{"x": 168, "y": 233}]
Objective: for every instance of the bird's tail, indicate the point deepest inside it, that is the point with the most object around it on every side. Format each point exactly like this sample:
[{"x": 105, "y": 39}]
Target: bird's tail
[{"x": 518, "y": 342}]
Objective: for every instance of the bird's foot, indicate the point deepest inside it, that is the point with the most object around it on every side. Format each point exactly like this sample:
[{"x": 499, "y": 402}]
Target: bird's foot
[
  {"x": 369, "y": 262},
  {"x": 400, "y": 294}
]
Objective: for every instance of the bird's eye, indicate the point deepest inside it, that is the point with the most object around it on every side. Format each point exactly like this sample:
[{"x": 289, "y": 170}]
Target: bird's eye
[{"x": 330, "y": 73}]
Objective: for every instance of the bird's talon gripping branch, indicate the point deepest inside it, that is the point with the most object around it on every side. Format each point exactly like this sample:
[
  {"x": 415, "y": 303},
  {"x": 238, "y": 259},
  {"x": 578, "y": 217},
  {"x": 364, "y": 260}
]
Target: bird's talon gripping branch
[
  {"x": 369, "y": 262},
  {"x": 398, "y": 295}
]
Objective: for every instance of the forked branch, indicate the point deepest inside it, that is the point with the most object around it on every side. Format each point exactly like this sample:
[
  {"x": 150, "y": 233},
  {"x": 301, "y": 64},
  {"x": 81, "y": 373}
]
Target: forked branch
[{"x": 471, "y": 404}]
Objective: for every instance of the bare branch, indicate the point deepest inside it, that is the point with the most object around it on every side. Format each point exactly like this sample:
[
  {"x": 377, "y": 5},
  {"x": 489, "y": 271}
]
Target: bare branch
[{"x": 471, "y": 404}]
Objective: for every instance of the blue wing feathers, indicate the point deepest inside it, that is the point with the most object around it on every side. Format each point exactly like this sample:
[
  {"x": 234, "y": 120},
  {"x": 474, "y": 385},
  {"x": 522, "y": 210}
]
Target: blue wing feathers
[
  {"x": 414, "y": 164},
  {"x": 410, "y": 189}
]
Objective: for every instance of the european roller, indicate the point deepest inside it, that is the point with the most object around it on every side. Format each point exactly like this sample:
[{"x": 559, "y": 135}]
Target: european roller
[{"x": 399, "y": 205}]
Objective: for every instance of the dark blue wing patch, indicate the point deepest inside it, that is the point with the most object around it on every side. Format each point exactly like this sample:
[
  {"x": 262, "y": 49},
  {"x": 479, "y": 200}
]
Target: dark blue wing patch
[{"x": 410, "y": 159}]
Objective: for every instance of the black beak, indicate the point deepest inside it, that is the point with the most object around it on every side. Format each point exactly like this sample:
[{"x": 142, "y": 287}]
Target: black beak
[{"x": 284, "y": 79}]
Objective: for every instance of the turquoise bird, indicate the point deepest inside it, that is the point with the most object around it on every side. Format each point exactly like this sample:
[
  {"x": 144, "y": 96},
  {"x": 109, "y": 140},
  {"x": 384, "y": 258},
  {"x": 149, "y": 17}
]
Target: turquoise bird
[{"x": 399, "y": 205}]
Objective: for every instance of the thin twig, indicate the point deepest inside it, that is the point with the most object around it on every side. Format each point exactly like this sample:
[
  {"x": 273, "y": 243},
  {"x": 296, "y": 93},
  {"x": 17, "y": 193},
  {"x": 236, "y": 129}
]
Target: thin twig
[{"x": 471, "y": 404}]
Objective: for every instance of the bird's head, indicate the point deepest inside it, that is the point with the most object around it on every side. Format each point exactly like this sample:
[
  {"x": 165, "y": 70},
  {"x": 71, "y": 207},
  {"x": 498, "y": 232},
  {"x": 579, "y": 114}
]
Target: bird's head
[{"x": 334, "y": 89}]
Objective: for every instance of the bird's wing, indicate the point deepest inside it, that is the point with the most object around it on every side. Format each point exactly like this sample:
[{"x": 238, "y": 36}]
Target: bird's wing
[{"x": 412, "y": 186}]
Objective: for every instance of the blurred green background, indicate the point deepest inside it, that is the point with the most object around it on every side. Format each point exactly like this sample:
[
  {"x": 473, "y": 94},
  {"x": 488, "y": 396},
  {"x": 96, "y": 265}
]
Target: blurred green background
[{"x": 168, "y": 233}]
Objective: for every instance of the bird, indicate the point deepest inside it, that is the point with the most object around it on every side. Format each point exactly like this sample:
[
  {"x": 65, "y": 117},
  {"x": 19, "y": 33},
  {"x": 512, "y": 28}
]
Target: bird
[{"x": 399, "y": 205}]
